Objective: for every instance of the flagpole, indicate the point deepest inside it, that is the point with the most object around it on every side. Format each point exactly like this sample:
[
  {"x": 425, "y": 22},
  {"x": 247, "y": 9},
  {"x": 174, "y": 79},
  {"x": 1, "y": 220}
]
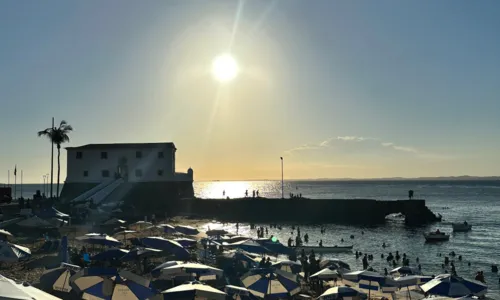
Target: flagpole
[
  {"x": 282, "y": 182},
  {"x": 52, "y": 163},
  {"x": 8, "y": 178},
  {"x": 21, "y": 183},
  {"x": 15, "y": 183}
]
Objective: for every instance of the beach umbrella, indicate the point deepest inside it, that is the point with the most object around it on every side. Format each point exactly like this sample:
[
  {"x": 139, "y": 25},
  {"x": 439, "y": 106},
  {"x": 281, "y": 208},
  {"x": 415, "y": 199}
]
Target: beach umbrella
[
  {"x": 109, "y": 283},
  {"x": 234, "y": 239},
  {"x": 370, "y": 280},
  {"x": 250, "y": 246},
  {"x": 341, "y": 292},
  {"x": 114, "y": 221},
  {"x": 35, "y": 222},
  {"x": 166, "y": 245},
  {"x": 58, "y": 279},
  {"x": 204, "y": 272},
  {"x": 194, "y": 290},
  {"x": 110, "y": 254},
  {"x": 270, "y": 283},
  {"x": 276, "y": 247},
  {"x": 404, "y": 271},
  {"x": 288, "y": 266},
  {"x": 5, "y": 235},
  {"x": 334, "y": 262},
  {"x": 327, "y": 274},
  {"x": 52, "y": 213},
  {"x": 100, "y": 239},
  {"x": 216, "y": 232},
  {"x": 140, "y": 253},
  {"x": 125, "y": 234},
  {"x": 187, "y": 230},
  {"x": 169, "y": 229},
  {"x": 412, "y": 280},
  {"x": 140, "y": 225},
  {"x": 13, "y": 253},
  {"x": 11, "y": 290},
  {"x": 238, "y": 293},
  {"x": 454, "y": 286},
  {"x": 185, "y": 242},
  {"x": 156, "y": 272}
]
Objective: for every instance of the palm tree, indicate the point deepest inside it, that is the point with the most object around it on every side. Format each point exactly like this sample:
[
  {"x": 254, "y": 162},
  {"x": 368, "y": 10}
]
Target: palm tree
[{"x": 58, "y": 136}]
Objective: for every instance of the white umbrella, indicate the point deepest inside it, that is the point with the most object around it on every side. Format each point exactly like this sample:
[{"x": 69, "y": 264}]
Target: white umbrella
[
  {"x": 114, "y": 221},
  {"x": 5, "y": 234},
  {"x": 140, "y": 225},
  {"x": 326, "y": 274},
  {"x": 126, "y": 234},
  {"x": 11, "y": 290},
  {"x": 196, "y": 290},
  {"x": 454, "y": 286},
  {"x": 205, "y": 272},
  {"x": 340, "y": 292}
]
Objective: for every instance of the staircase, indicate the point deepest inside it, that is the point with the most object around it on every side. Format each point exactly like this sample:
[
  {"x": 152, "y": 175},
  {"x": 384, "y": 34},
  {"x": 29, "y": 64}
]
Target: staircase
[
  {"x": 105, "y": 192},
  {"x": 93, "y": 191}
]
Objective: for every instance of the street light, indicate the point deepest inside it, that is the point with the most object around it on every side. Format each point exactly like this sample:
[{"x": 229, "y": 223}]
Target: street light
[
  {"x": 43, "y": 184},
  {"x": 282, "y": 182}
]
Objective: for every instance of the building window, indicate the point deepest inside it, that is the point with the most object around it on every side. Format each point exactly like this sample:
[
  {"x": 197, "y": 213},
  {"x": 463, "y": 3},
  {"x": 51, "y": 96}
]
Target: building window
[
  {"x": 160, "y": 172},
  {"x": 79, "y": 155},
  {"x": 161, "y": 155},
  {"x": 138, "y": 154},
  {"x": 138, "y": 173},
  {"x": 105, "y": 173},
  {"x": 85, "y": 173},
  {"x": 104, "y": 155}
]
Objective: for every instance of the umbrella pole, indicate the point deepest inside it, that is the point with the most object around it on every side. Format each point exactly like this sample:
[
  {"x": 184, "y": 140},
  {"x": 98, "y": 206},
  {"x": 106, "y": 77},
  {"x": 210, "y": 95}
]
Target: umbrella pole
[
  {"x": 409, "y": 294},
  {"x": 369, "y": 290}
]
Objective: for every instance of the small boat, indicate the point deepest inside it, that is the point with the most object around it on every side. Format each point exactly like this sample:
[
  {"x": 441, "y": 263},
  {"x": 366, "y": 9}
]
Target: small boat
[
  {"x": 436, "y": 236},
  {"x": 461, "y": 227},
  {"x": 324, "y": 249}
]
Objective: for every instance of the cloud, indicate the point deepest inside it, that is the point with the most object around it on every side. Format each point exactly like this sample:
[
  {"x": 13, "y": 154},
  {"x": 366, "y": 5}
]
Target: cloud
[{"x": 328, "y": 143}]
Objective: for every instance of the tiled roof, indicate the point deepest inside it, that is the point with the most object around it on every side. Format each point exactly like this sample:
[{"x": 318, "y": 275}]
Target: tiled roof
[{"x": 122, "y": 146}]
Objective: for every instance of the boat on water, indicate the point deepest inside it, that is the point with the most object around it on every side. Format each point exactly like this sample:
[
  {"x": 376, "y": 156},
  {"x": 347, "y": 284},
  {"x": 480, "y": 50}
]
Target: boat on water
[
  {"x": 436, "y": 236},
  {"x": 324, "y": 249},
  {"x": 461, "y": 227}
]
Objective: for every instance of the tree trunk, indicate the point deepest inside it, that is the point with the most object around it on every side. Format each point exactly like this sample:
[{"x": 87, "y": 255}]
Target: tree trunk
[{"x": 58, "y": 168}]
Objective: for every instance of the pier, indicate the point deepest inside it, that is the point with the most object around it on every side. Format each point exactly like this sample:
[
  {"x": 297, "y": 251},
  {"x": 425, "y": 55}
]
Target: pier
[{"x": 341, "y": 211}]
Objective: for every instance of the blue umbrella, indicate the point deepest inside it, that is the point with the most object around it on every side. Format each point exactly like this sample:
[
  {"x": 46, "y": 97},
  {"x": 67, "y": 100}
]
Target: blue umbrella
[
  {"x": 188, "y": 230},
  {"x": 366, "y": 280},
  {"x": 13, "y": 253},
  {"x": 185, "y": 242},
  {"x": 250, "y": 246},
  {"x": 454, "y": 286},
  {"x": 58, "y": 279},
  {"x": 111, "y": 283},
  {"x": 339, "y": 292},
  {"x": 276, "y": 247},
  {"x": 167, "y": 245},
  {"x": 110, "y": 254},
  {"x": 288, "y": 266},
  {"x": 139, "y": 253},
  {"x": 271, "y": 284},
  {"x": 168, "y": 228},
  {"x": 99, "y": 239}
]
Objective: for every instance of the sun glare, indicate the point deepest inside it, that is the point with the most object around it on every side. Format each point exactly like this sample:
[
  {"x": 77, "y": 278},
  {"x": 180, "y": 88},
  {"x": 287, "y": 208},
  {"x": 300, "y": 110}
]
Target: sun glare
[{"x": 224, "y": 68}]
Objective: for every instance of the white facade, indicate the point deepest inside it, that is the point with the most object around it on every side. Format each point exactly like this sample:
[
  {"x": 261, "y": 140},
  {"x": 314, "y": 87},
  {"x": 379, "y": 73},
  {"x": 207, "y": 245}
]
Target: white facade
[{"x": 150, "y": 162}]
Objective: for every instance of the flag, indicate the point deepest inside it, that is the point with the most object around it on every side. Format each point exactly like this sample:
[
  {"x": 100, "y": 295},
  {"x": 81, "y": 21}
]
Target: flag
[{"x": 15, "y": 170}]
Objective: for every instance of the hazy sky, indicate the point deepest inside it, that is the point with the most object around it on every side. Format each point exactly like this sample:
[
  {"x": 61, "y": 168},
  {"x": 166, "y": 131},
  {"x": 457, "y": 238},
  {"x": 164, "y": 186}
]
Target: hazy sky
[{"x": 338, "y": 88}]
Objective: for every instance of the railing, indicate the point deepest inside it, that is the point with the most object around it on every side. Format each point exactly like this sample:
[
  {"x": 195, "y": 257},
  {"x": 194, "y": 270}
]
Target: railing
[
  {"x": 86, "y": 195},
  {"x": 105, "y": 192}
]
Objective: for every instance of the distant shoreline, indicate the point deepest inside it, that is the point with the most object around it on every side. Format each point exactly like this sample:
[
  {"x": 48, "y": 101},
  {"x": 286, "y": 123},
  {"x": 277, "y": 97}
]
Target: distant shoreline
[{"x": 413, "y": 179}]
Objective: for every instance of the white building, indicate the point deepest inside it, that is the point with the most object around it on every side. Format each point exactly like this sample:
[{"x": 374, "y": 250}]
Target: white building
[{"x": 135, "y": 163}]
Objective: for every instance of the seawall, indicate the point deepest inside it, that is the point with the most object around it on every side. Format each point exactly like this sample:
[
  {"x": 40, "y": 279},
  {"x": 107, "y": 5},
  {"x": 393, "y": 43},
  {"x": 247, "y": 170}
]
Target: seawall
[{"x": 342, "y": 211}]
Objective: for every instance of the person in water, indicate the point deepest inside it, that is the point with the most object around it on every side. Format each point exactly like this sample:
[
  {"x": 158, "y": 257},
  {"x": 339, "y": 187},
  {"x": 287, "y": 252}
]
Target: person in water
[
  {"x": 320, "y": 243},
  {"x": 306, "y": 238},
  {"x": 410, "y": 194}
]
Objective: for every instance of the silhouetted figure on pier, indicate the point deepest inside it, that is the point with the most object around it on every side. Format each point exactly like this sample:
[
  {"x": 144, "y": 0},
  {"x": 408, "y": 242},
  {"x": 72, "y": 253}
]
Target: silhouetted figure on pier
[{"x": 410, "y": 194}]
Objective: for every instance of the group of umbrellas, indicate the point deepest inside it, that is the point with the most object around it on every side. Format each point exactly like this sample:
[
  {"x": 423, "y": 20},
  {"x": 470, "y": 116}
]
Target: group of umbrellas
[{"x": 10, "y": 252}]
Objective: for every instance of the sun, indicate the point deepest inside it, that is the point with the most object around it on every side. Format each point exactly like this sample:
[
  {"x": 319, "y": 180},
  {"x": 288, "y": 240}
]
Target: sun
[{"x": 224, "y": 67}]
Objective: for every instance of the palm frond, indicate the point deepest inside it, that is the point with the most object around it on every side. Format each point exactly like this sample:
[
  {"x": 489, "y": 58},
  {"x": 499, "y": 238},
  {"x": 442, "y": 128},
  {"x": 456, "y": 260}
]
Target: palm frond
[{"x": 46, "y": 132}]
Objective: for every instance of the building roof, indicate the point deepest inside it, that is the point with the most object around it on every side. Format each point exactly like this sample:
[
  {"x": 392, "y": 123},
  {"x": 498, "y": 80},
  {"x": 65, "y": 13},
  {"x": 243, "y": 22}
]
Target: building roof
[{"x": 122, "y": 146}]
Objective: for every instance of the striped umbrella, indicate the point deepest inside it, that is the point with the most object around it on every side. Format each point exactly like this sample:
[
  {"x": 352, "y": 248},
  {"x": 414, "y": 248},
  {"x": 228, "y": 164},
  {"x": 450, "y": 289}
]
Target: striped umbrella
[
  {"x": 11, "y": 290},
  {"x": 454, "y": 286},
  {"x": 238, "y": 293},
  {"x": 271, "y": 284},
  {"x": 58, "y": 279},
  {"x": 194, "y": 290},
  {"x": 5, "y": 235},
  {"x": 110, "y": 284},
  {"x": 13, "y": 253},
  {"x": 327, "y": 274},
  {"x": 203, "y": 271},
  {"x": 288, "y": 266}
]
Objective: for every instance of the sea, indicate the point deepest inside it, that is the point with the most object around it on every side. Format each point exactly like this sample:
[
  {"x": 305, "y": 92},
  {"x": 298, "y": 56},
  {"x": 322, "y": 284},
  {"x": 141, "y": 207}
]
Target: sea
[{"x": 475, "y": 201}]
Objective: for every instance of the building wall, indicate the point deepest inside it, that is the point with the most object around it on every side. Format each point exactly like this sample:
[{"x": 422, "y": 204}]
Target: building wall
[{"x": 123, "y": 160}]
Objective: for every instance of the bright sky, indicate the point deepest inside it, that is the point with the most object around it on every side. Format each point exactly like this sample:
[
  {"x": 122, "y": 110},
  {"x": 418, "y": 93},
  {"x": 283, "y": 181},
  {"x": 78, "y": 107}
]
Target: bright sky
[{"x": 344, "y": 88}]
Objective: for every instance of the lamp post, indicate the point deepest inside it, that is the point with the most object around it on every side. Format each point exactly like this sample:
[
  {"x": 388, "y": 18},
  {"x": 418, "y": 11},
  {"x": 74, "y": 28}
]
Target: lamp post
[
  {"x": 43, "y": 189},
  {"x": 282, "y": 182}
]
